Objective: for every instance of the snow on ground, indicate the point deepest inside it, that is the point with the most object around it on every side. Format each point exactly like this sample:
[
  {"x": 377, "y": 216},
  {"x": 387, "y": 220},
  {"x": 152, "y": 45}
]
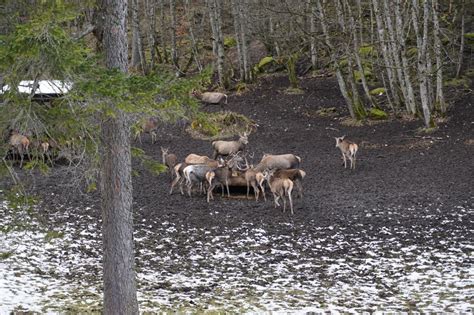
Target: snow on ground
[{"x": 246, "y": 269}]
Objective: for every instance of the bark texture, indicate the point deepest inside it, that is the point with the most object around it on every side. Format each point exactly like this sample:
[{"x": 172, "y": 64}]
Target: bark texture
[{"x": 120, "y": 296}]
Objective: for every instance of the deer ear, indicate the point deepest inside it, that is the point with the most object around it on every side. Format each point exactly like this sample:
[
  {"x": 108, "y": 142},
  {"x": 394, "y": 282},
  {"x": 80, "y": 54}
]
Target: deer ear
[{"x": 342, "y": 138}]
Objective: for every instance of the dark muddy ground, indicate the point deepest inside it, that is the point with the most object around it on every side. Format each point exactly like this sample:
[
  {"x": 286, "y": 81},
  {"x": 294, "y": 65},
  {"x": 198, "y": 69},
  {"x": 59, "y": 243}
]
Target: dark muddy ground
[{"x": 410, "y": 192}]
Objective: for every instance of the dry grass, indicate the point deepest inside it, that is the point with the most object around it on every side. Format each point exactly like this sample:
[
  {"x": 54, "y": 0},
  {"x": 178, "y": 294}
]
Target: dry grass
[{"x": 350, "y": 122}]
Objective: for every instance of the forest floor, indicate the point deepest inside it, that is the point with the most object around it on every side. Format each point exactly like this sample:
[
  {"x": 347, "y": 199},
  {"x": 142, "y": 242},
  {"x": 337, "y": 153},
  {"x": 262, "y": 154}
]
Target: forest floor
[{"x": 395, "y": 234}]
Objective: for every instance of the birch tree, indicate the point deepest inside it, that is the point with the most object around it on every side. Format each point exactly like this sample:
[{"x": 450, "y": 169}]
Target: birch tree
[
  {"x": 422, "y": 43},
  {"x": 214, "y": 7}
]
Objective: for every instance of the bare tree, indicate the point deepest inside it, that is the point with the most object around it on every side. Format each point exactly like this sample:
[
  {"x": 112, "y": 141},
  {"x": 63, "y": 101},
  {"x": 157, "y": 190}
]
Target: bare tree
[
  {"x": 195, "y": 51},
  {"x": 214, "y": 7},
  {"x": 174, "y": 48},
  {"x": 440, "y": 102},
  {"x": 120, "y": 293},
  {"x": 422, "y": 45},
  {"x": 461, "y": 46}
]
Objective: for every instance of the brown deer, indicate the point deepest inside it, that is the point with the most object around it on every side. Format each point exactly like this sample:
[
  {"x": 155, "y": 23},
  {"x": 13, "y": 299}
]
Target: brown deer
[
  {"x": 20, "y": 144},
  {"x": 348, "y": 150}
]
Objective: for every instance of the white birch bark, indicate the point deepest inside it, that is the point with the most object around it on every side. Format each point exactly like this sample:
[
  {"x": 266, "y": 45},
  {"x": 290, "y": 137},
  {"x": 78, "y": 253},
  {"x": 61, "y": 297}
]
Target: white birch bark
[
  {"x": 386, "y": 57},
  {"x": 422, "y": 41}
]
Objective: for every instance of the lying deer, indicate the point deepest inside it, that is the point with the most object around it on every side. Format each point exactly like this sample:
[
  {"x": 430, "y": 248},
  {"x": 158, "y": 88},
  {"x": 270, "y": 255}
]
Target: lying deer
[
  {"x": 348, "y": 150},
  {"x": 214, "y": 98}
]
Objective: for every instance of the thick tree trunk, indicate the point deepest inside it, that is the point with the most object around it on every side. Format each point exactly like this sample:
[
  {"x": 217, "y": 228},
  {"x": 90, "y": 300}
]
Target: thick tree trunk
[{"x": 120, "y": 295}]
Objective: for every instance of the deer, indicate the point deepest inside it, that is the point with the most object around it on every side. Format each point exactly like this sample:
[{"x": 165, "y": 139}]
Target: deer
[
  {"x": 179, "y": 177},
  {"x": 255, "y": 179},
  {"x": 282, "y": 161},
  {"x": 19, "y": 143},
  {"x": 222, "y": 175},
  {"x": 218, "y": 176},
  {"x": 348, "y": 150},
  {"x": 149, "y": 125},
  {"x": 208, "y": 98},
  {"x": 195, "y": 174},
  {"x": 295, "y": 175},
  {"x": 281, "y": 188},
  {"x": 169, "y": 159},
  {"x": 225, "y": 148}
]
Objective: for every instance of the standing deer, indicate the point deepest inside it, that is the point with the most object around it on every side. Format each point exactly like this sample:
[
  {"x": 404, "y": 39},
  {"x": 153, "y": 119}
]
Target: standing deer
[
  {"x": 149, "y": 125},
  {"x": 19, "y": 144},
  {"x": 348, "y": 150},
  {"x": 281, "y": 188},
  {"x": 169, "y": 159},
  {"x": 225, "y": 148}
]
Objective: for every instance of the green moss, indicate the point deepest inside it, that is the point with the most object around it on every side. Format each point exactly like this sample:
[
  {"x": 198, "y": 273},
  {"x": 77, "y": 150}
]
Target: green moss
[
  {"x": 412, "y": 51},
  {"x": 377, "y": 114},
  {"x": 366, "y": 51},
  {"x": 469, "y": 36},
  {"x": 219, "y": 125},
  {"x": 460, "y": 82},
  {"x": 377, "y": 91},
  {"x": 229, "y": 42},
  {"x": 264, "y": 61},
  {"x": 367, "y": 73}
]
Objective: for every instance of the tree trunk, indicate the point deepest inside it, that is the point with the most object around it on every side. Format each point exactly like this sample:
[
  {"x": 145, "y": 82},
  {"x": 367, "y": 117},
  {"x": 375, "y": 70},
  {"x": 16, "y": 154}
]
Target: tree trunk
[
  {"x": 163, "y": 41},
  {"x": 312, "y": 23},
  {"x": 461, "y": 46},
  {"x": 237, "y": 29},
  {"x": 334, "y": 61},
  {"x": 218, "y": 39},
  {"x": 385, "y": 54},
  {"x": 394, "y": 52},
  {"x": 422, "y": 42},
  {"x": 405, "y": 66},
  {"x": 136, "y": 42},
  {"x": 243, "y": 13},
  {"x": 192, "y": 38},
  {"x": 174, "y": 49},
  {"x": 120, "y": 293},
  {"x": 356, "y": 47},
  {"x": 150, "y": 8}
]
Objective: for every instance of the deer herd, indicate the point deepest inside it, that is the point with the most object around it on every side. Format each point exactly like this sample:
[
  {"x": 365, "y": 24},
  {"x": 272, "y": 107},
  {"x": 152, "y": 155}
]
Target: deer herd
[{"x": 229, "y": 167}]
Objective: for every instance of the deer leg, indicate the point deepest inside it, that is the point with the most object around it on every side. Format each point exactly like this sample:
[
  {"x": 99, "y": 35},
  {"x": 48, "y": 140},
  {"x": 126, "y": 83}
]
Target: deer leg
[
  {"x": 345, "y": 161},
  {"x": 255, "y": 191},
  {"x": 263, "y": 191},
  {"x": 227, "y": 186}
]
